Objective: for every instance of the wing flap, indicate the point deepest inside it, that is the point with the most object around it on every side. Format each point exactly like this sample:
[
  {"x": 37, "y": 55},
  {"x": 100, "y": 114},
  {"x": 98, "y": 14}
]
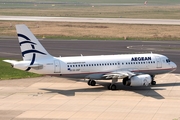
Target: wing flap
[{"x": 119, "y": 74}]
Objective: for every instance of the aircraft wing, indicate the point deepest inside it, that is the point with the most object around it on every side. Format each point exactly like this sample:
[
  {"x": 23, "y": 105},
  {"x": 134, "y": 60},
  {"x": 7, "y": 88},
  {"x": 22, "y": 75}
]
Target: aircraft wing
[{"x": 118, "y": 74}]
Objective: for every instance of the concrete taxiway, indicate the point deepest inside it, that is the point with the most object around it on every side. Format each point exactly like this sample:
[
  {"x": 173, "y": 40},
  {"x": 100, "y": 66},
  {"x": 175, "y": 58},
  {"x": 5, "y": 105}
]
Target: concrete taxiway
[
  {"x": 93, "y": 20},
  {"x": 51, "y": 98}
]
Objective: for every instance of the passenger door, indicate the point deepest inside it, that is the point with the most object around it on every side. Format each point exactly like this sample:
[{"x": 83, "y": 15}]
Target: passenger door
[
  {"x": 57, "y": 68},
  {"x": 159, "y": 63}
]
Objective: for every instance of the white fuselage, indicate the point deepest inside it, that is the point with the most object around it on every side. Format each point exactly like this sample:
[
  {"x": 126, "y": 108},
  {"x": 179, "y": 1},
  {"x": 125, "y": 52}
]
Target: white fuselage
[{"x": 96, "y": 66}]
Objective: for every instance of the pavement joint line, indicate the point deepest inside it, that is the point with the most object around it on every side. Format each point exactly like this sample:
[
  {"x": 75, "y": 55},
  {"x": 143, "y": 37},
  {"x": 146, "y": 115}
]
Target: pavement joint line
[
  {"x": 8, "y": 95},
  {"x": 84, "y": 106},
  {"x": 106, "y": 109},
  {"x": 172, "y": 87},
  {"x": 15, "y": 102},
  {"x": 157, "y": 110},
  {"x": 134, "y": 107},
  {"x": 21, "y": 101},
  {"x": 56, "y": 108},
  {"x": 177, "y": 76},
  {"x": 33, "y": 107},
  {"x": 164, "y": 76},
  {"x": 25, "y": 98}
]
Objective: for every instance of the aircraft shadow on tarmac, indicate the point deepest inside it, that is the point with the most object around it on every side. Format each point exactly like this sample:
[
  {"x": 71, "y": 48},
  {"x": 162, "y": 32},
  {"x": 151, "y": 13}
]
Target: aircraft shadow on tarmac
[{"x": 151, "y": 91}]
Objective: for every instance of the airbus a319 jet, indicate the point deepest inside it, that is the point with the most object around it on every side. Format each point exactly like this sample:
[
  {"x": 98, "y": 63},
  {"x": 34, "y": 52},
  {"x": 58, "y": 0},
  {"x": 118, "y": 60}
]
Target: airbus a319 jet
[{"x": 133, "y": 69}]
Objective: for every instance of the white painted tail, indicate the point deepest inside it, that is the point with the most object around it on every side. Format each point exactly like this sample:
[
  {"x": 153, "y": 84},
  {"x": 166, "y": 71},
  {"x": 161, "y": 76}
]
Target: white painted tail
[{"x": 31, "y": 48}]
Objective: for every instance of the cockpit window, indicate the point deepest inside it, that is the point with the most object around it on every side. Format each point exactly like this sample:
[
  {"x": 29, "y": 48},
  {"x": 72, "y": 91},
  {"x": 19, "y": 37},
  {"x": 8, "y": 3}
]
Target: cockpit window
[{"x": 167, "y": 60}]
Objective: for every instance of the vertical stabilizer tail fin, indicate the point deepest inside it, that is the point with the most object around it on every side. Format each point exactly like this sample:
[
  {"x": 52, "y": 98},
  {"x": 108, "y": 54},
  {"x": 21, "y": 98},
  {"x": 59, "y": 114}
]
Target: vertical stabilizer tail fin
[{"x": 31, "y": 48}]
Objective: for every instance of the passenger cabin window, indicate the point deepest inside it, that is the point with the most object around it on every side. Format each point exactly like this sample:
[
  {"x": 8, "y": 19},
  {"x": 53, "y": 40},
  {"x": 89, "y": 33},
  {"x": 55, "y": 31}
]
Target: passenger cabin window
[{"x": 126, "y": 63}]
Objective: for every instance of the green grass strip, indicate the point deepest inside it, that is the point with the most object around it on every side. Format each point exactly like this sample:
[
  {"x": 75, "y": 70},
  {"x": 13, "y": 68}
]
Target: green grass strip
[{"x": 7, "y": 72}]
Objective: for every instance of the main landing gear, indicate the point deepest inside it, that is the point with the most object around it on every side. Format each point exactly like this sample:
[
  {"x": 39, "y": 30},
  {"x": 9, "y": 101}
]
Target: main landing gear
[
  {"x": 91, "y": 82},
  {"x": 111, "y": 86}
]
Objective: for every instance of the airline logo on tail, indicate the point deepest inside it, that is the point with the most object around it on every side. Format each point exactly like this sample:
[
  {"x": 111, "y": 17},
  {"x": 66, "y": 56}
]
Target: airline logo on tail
[{"x": 33, "y": 50}]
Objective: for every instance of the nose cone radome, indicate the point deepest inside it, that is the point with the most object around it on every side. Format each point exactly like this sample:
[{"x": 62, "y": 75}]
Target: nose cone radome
[{"x": 174, "y": 66}]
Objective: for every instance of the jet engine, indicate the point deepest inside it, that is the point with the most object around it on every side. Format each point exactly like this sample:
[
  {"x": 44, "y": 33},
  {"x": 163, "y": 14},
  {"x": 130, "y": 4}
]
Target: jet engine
[{"x": 138, "y": 80}]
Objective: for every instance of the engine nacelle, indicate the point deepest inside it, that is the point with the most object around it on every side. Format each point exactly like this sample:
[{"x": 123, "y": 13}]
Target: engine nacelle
[{"x": 139, "y": 80}]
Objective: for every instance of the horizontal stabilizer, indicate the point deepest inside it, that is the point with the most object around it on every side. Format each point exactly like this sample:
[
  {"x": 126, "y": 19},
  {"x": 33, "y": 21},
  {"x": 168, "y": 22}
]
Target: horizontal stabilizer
[{"x": 11, "y": 61}]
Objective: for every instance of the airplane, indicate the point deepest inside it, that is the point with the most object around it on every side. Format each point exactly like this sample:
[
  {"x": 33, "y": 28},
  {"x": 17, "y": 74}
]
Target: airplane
[{"x": 133, "y": 69}]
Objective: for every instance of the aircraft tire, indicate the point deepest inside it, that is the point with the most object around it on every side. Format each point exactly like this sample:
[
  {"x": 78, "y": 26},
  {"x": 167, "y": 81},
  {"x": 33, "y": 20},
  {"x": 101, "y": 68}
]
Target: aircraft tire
[
  {"x": 89, "y": 82},
  {"x": 153, "y": 82},
  {"x": 93, "y": 83},
  {"x": 111, "y": 87}
]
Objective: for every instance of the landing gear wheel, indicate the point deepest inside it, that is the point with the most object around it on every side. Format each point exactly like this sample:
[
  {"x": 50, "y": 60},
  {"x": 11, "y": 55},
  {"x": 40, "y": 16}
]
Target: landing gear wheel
[
  {"x": 109, "y": 86},
  {"x": 93, "y": 83},
  {"x": 153, "y": 82},
  {"x": 112, "y": 87},
  {"x": 89, "y": 82}
]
